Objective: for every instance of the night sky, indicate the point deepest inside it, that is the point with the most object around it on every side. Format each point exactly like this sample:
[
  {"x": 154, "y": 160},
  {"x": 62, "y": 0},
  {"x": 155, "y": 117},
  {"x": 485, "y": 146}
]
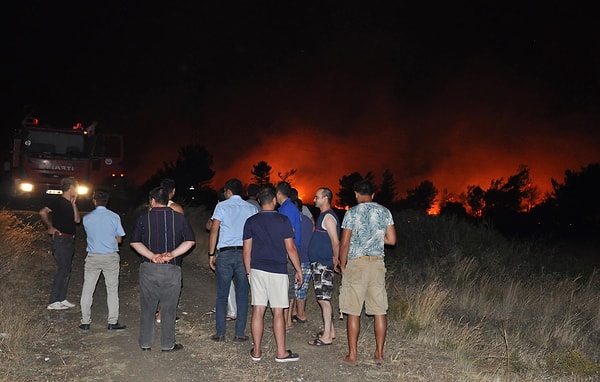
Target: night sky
[{"x": 453, "y": 92}]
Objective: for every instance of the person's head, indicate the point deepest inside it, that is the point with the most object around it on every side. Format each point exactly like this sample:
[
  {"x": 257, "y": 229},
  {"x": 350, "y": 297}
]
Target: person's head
[
  {"x": 100, "y": 198},
  {"x": 363, "y": 189},
  {"x": 293, "y": 193},
  {"x": 323, "y": 198},
  {"x": 169, "y": 186},
  {"x": 253, "y": 190},
  {"x": 221, "y": 195},
  {"x": 283, "y": 192},
  {"x": 266, "y": 197},
  {"x": 158, "y": 197},
  {"x": 68, "y": 184},
  {"x": 298, "y": 203},
  {"x": 235, "y": 186}
]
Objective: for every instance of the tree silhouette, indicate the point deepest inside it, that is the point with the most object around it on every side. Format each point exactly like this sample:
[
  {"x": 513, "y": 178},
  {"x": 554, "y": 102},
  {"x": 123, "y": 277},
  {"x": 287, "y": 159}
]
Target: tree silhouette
[
  {"x": 191, "y": 172},
  {"x": 345, "y": 195},
  {"x": 262, "y": 173},
  {"x": 475, "y": 200},
  {"x": 287, "y": 176},
  {"x": 387, "y": 193},
  {"x": 576, "y": 200},
  {"x": 422, "y": 197}
]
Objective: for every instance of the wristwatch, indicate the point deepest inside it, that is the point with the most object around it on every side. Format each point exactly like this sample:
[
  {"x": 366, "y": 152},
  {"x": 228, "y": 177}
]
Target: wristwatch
[{"x": 211, "y": 254}]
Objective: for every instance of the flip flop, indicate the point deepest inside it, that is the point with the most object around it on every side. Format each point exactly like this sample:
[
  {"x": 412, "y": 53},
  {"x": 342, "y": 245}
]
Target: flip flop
[
  {"x": 318, "y": 342},
  {"x": 320, "y": 334},
  {"x": 212, "y": 311},
  {"x": 298, "y": 320},
  {"x": 228, "y": 318}
]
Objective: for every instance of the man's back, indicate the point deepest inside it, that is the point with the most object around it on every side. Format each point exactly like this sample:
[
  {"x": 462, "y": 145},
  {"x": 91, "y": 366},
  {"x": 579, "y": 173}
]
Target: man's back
[
  {"x": 232, "y": 214},
  {"x": 368, "y": 222},
  {"x": 102, "y": 226}
]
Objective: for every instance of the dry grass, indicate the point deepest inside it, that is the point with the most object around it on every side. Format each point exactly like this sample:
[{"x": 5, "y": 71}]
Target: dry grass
[
  {"x": 17, "y": 330},
  {"x": 489, "y": 300}
]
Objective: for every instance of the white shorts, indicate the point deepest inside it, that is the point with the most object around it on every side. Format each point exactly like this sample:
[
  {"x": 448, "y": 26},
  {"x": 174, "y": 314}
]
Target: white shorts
[{"x": 269, "y": 289}]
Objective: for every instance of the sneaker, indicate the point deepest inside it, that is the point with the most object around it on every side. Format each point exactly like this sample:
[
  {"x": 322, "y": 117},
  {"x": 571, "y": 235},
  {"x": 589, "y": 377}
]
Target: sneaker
[
  {"x": 57, "y": 306},
  {"x": 67, "y": 304},
  {"x": 291, "y": 357}
]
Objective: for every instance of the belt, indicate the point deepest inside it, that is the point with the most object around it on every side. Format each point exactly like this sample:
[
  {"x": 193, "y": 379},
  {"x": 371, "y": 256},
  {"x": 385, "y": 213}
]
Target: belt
[
  {"x": 223, "y": 249},
  {"x": 368, "y": 258},
  {"x": 62, "y": 234}
]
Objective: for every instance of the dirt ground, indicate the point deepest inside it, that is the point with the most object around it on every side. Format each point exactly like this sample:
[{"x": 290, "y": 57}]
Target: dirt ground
[{"x": 65, "y": 353}]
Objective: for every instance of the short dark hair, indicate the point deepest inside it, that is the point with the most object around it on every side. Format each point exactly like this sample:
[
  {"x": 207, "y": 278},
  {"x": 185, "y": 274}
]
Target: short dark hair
[
  {"x": 101, "y": 197},
  {"x": 266, "y": 195},
  {"x": 326, "y": 192},
  {"x": 235, "y": 186},
  {"x": 67, "y": 182},
  {"x": 253, "y": 189},
  {"x": 160, "y": 195},
  {"x": 168, "y": 184},
  {"x": 298, "y": 203},
  {"x": 363, "y": 187},
  {"x": 284, "y": 188}
]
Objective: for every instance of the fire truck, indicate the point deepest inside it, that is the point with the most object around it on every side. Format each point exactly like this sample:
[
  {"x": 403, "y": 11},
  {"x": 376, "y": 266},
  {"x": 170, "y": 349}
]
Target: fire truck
[{"x": 42, "y": 156}]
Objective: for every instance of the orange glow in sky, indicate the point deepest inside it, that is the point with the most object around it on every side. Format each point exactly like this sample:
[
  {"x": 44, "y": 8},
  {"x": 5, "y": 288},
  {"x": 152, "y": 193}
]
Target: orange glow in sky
[{"x": 474, "y": 129}]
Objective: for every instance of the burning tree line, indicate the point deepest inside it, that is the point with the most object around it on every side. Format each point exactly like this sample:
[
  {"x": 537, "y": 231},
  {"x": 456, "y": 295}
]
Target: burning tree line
[{"x": 512, "y": 206}]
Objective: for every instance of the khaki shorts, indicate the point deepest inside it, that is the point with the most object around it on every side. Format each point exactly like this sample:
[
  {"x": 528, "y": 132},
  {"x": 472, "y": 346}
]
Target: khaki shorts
[
  {"x": 269, "y": 289},
  {"x": 363, "y": 282}
]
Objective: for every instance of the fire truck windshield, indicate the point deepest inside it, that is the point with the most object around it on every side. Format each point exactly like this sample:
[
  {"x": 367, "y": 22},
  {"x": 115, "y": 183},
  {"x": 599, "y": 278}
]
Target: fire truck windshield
[{"x": 54, "y": 143}]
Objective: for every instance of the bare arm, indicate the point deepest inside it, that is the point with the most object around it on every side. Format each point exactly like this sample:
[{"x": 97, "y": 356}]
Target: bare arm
[
  {"x": 143, "y": 250},
  {"x": 344, "y": 248},
  {"x": 212, "y": 241},
  {"x": 292, "y": 252},
  {"x": 45, "y": 216},
  {"x": 247, "y": 254},
  {"x": 330, "y": 226},
  {"x": 76, "y": 214},
  {"x": 390, "y": 235},
  {"x": 177, "y": 207}
]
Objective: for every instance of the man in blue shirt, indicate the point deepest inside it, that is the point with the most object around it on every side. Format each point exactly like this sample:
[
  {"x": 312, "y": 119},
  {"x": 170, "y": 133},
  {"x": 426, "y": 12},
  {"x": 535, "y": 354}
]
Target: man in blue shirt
[
  {"x": 289, "y": 209},
  {"x": 225, "y": 255},
  {"x": 104, "y": 233}
]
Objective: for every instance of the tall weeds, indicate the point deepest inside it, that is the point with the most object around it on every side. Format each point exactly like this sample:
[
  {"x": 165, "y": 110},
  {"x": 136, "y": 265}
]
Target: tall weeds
[{"x": 468, "y": 289}]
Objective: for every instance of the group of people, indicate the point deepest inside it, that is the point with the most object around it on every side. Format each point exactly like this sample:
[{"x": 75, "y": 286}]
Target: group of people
[{"x": 267, "y": 243}]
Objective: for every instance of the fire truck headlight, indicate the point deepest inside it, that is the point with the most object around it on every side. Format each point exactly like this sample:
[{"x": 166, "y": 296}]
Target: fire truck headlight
[
  {"x": 83, "y": 190},
  {"x": 26, "y": 187}
]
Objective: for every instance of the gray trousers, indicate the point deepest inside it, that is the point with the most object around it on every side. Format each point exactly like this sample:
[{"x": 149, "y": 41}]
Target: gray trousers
[
  {"x": 159, "y": 283},
  {"x": 108, "y": 265}
]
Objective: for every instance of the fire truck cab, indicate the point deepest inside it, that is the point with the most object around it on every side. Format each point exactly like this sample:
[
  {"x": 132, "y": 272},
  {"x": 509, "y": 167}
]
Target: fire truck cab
[{"x": 42, "y": 156}]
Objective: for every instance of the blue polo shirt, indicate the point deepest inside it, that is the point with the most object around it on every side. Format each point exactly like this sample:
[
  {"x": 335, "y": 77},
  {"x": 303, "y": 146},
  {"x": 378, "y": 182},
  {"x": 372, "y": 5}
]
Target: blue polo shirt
[{"x": 102, "y": 226}]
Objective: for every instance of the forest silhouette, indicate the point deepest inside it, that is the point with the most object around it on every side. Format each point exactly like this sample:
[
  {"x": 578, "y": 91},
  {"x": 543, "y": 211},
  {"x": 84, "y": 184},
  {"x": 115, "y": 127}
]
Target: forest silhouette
[{"x": 511, "y": 205}]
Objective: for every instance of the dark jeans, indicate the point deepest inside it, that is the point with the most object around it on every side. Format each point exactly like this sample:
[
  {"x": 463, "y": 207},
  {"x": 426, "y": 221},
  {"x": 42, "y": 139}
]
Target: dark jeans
[
  {"x": 229, "y": 264},
  {"x": 62, "y": 250},
  {"x": 158, "y": 283}
]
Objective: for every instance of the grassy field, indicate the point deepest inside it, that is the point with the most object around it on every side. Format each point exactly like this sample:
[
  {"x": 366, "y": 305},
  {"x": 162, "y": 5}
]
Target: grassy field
[{"x": 507, "y": 310}]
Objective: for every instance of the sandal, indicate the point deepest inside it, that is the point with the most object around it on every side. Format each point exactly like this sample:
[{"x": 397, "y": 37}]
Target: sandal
[
  {"x": 318, "y": 342},
  {"x": 320, "y": 334},
  {"x": 298, "y": 320}
]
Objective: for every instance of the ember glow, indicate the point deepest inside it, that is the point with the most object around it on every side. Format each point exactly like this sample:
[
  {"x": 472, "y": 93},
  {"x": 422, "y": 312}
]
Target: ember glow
[{"x": 464, "y": 135}]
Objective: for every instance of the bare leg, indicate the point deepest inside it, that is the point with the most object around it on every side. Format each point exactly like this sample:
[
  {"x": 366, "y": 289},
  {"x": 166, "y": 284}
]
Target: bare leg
[
  {"x": 300, "y": 309},
  {"x": 279, "y": 331},
  {"x": 353, "y": 329},
  {"x": 287, "y": 313},
  {"x": 328, "y": 329},
  {"x": 258, "y": 324},
  {"x": 380, "y": 333}
]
